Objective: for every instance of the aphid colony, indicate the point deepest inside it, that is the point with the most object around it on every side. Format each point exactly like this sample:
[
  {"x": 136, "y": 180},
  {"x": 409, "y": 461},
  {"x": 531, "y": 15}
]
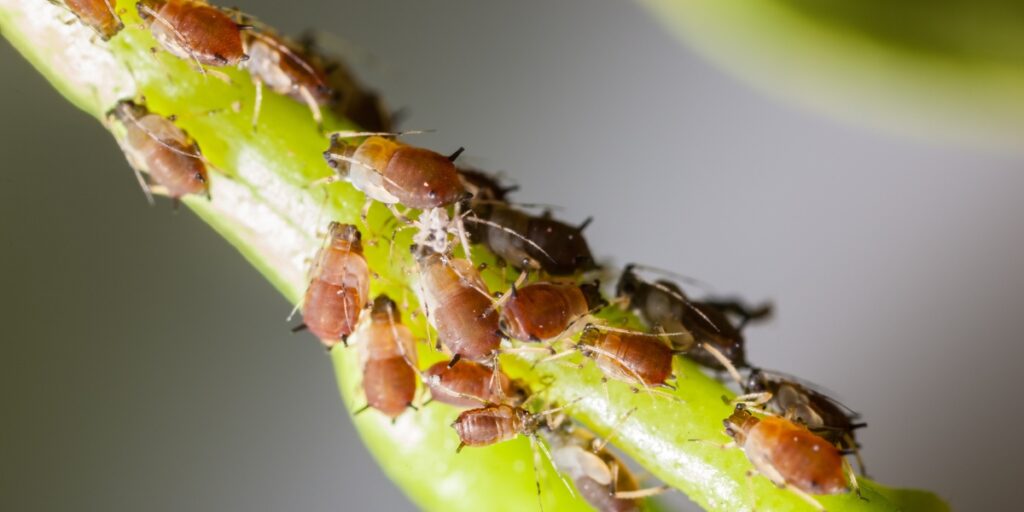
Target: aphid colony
[{"x": 792, "y": 433}]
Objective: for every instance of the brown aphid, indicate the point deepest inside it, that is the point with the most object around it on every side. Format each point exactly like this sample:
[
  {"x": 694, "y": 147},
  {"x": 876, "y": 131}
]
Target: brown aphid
[
  {"x": 469, "y": 384},
  {"x": 494, "y": 424},
  {"x": 155, "y": 146},
  {"x": 392, "y": 172},
  {"x": 801, "y": 403},
  {"x": 100, "y": 15},
  {"x": 459, "y": 306},
  {"x": 635, "y": 358},
  {"x": 531, "y": 242},
  {"x": 283, "y": 67},
  {"x": 663, "y": 304},
  {"x": 388, "y": 355},
  {"x": 194, "y": 30},
  {"x": 790, "y": 455},
  {"x": 547, "y": 311},
  {"x": 339, "y": 286}
]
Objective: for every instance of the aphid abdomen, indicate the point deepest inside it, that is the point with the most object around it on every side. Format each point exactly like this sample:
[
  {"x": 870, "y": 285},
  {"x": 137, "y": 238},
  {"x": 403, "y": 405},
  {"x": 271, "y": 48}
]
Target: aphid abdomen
[
  {"x": 602, "y": 497},
  {"x": 163, "y": 150},
  {"x": 468, "y": 325},
  {"x": 566, "y": 248},
  {"x": 634, "y": 358},
  {"x": 421, "y": 178},
  {"x": 489, "y": 425},
  {"x": 331, "y": 312},
  {"x": 195, "y": 31},
  {"x": 389, "y": 385},
  {"x": 542, "y": 311},
  {"x": 174, "y": 170},
  {"x": 457, "y": 384},
  {"x": 97, "y": 14},
  {"x": 804, "y": 460}
]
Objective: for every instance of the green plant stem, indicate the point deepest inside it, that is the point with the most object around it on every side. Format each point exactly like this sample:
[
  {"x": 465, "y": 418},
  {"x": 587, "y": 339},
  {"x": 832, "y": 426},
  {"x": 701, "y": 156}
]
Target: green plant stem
[
  {"x": 263, "y": 203},
  {"x": 947, "y": 70}
]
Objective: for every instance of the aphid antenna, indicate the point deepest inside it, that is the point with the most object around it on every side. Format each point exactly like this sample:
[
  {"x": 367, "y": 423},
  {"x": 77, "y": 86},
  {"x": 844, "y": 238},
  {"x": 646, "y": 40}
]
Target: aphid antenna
[
  {"x": 164, "y": 143},
  {"x": 684, "y": 300},
  {"x": 726, "y": 363},
  {"x": 349, "y": 134},
  {"x": 147, "y": 190},
  {"x": 478, "y": 220},
  {"x": 599, "y": 444},
  {"x": 182, "y": 40},
  {"x": 669, "y": 273},
  {"x": 656, "y": 335}
]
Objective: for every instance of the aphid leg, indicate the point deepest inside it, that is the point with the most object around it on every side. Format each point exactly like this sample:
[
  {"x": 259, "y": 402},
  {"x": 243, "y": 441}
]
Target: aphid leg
[
  {"x": 599, "y": 444},
  {"x": 257, "y": 102},
  {"x": 856, "y": 453},
  {"x": 360, "y": 410},
  {"x": 753, "y": 400},
  {"x": 725, "y": 362},
  {"x": 750, "y": 488},
  {"x": 722, "y": 446},
  {"x": 536, "y": 469},
  {"x": 347, "y": 134},
  {"x": 854, "y": 485},
  {"x": 300, "y": 328},
  {"x": 314, "y": 107},
  {"x": 642, "y": 493},
  {"x": 398, "y": 214}
]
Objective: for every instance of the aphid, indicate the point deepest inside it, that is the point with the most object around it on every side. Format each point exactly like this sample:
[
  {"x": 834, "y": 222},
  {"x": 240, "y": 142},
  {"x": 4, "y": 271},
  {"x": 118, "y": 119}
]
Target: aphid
[
  {"x": 100, "y": 15},
  {"x": 486, "y": 189},
  {"x": 350, "y": 99},
  {"x": 285, "y": 69},
  {"x": 392, "y": 172},
  {"x": 635, "y": 358},
  {"x": 693, "y": 324},
  {"x": 531, "y": 242},
  {"x": 155, "y": 146},
  {"x": 459, "y": 306},
  {"x": 469, "y": 384},
  {"x": 339, "y": 286},
  {"x": 800, "y": 402},
  {"x": 791, "y": 456},
  {"x": 388, "y": 355},
  {"x": 599, "y": 476},
  {"x": 546, "y": 311},
  {"x": 194, "y": 30}
]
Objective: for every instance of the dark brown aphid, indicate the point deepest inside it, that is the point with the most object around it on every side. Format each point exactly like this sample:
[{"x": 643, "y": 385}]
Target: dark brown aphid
[
  {"x": 531, "y": 242},
  {"x": 339, "y": 286},
  {"x": 664, "y": 305},
  {"x": 155, "y": 146},
  {"x": 635, "y": 358},
  {"x": 194, "y": 30},
  {"x": 100, "y": 15},
  {"x": 469, "y": 384},
  {"x": 285, "y": 68},
  {"x": 791, "y": 456},
  {"x": 485, "y": 188},
  {"x": 388, "y": 355},
  {"x": 392, "y": 172},
  {"x": 459, "y": 306},
  {"x": 803, "y": 404},
  {"x": 546, "y": 311}
]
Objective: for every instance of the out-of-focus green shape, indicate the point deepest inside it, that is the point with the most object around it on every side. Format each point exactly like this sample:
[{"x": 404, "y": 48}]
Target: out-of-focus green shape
[
  {"x": 947, "y": 70},
  {"x": 263, "y": 202}
]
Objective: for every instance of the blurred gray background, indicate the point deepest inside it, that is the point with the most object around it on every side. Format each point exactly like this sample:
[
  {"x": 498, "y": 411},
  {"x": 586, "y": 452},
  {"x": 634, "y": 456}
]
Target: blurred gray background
[{"x": 145, "y": 366}]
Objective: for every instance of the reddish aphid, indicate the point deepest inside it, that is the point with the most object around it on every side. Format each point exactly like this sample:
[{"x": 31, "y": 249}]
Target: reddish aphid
[
  {"x": 155, "y": 146},
  {"x": 392, "y": 172},
  {"x": 339, "y": 286},
  {"x": 388, "y": 355},
  {"x": 494, "y": 424},
  {"x": 547, "y": 311},
  {"x": 635, "y": 358},
  {"x": 194, "y": 30},
  {"x": 469, "y": 384},
  {"x": 100, "y": 15},
  {"x": 285, "y": 69},
  {"x": 791, "y": 456},
  {"x": 459, "y": 306}
]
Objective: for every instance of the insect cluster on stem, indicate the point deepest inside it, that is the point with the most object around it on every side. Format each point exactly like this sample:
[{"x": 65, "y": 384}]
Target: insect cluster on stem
[{"x": 793, "y": 433}]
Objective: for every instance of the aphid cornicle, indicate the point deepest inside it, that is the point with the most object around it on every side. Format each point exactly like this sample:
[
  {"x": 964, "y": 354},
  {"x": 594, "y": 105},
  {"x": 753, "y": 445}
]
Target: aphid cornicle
[
  {"x": 155, "y": 146},
  {"x": 469, "y": 384},
  {"x": 194, "y": 30},
  {"x": 339, "y": 286},
  {"x": 663, "y": 304},
  {"x": 545, "y": 311},
  {"x": 392, "y": 172},
  {"x": 100, "y": 15},
  {"x": 388, "y": 355},
  {"x": 791, "y": 456},
  {"x": 530, "y": 242},
  {"x": 459, "y": 306},
  {"x": 635, "y": 358}
]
